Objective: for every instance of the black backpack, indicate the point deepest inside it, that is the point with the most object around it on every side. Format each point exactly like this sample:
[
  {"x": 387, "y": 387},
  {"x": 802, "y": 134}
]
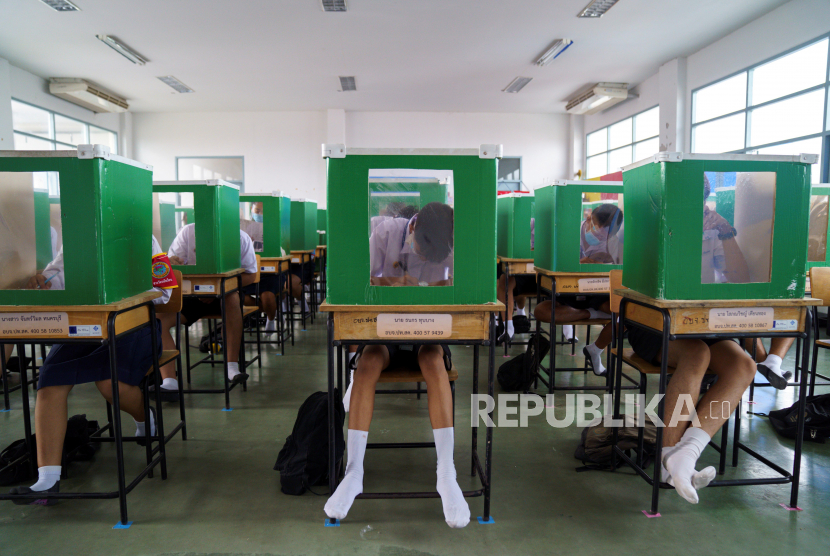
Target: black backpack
[
  {"x": 518, "y": 374},
  {"x": 521, "y": 324},
  {"x": 304, "y": 460},
  {"x": 595, "y": 448},
  {"x": 817, "y": 419}
]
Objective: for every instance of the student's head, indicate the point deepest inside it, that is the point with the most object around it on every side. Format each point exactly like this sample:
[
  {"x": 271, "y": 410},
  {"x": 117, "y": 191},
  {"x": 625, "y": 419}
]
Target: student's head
[
  {"x": 256, "y": 211},
  {"x": 434, "y": 232},
  {"x": 407, "y": 211},
  {"x": 607, "y": 216},
  {"x": 707, "y": 189}
]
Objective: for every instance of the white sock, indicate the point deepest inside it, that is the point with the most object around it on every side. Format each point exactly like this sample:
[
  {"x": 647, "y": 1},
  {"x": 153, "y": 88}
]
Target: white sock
[
  {"x": 305, "y": 306},
  {"x": 519, "y": 312},
  {"x": 347, "y": 397},
  {"x": 233, "y": 370},
  {"x": 568, "y": 331},
  {"x": 510, "y": 328},
  {"x": 596, "y": 358},
  {"x": 680, "y": 464},
  {"x": 773, "y": 363},
  {"x": 141, "y": 426},
  {"x": 170, "y": 384},
  {"x": 270, "y": 325},
  {"x": 341, "y": 501},
  {"x": 284, "y": 306},
  {"x": 456, "y": 509},
  {"x": 598, "y": 314},
  {"x": 47, "y": 476}
]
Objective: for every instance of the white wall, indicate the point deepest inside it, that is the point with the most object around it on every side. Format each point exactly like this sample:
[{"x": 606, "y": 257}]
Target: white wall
[{"x": 540, "y": 139}]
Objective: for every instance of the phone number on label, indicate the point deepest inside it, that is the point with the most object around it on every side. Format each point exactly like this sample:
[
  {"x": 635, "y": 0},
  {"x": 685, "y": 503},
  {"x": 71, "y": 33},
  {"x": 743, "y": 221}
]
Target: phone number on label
[
  {"x": 33, "y": 331},
  {"x": 414, "y": 333}
]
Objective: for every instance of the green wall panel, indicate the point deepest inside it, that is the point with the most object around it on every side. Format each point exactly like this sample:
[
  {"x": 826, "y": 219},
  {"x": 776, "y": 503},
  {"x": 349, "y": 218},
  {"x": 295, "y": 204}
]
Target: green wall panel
[
  {"x": 513, "y": 226},
  {"x": 304, "y": 225}
]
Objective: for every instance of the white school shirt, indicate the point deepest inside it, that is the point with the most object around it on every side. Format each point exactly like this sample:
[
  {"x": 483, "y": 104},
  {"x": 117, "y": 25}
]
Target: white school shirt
[
  {"x": 55, "y": 268},
  {"x": 713, "y": 260},
  {"x": 254, "y": 231},
  {"x": 184, "y": 247},
  {"x": 388, "y": 245},
  {"x": 54, "y": 237}
]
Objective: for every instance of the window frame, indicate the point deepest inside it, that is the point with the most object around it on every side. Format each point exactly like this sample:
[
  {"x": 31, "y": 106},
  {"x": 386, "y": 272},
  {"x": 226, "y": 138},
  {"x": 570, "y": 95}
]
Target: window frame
[
  {"x": 240, "y": 184},
  {"x": 824, "y": 134},
  {"x": 608, "y": 150},
  {"x": 52, "y": 132}
]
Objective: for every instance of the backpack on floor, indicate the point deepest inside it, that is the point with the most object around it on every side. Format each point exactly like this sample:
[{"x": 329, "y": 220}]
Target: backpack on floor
[
  {"x": 303, "y": 461},
  {"x": 518, "y": 374},
  {"x": 213, "y": 342},
  {"x": 595, "y": 448},
  {"x": 816, "y": 422}
]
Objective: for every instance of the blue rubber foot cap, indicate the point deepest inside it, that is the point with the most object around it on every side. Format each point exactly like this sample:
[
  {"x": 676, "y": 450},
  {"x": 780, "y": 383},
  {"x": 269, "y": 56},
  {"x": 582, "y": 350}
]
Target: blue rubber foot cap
[
  {"x": 120, "y": 525},
  {"x": 490, "y": 521},
  {"x": 227, "y": 409},
  {"x": 4, "y": 410},
  {"x": 328, "y": 523}
]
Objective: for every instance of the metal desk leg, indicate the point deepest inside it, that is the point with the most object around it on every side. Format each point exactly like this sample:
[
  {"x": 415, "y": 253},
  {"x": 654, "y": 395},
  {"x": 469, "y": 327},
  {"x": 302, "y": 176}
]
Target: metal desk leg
[
  {"x": 661, "y": 412},
  {"x": 488, "y": 467},
  {"x": 225, "y": 348},
  {"x": 475, "y": 429},
  {"x": 4, "y": 378},
  {"x": 116, "y": 418},
  {"x": 157, "y": 389},
  {"x": 506, "y": 298},
  {"x": 802, "y": 404},
  {"x": 27, "y": 417},
  {"x": 330, "y": 352}
]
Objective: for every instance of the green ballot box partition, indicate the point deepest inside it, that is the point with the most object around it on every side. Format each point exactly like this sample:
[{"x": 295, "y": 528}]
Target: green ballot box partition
[
  {"x": 322, "y": 226},
  {"x": 303, "y": 225},
  {"x": 704, "y": 226},
  {"x": 514, "y": 212},
  {"x": 274, "y": 231},
  {"x": 575, "y": 234},
  {"x": 216, "y": 214},
  {"x": 99, "y": 203},
  {"x": 817, "y": 254},
  {"x": 370, "y": 251}
]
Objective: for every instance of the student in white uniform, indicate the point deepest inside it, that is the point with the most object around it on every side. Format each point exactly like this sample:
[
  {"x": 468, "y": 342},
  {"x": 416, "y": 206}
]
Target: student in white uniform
[
  {"x": 406, "y": 252},
  {"x": 183, "y": 252},
  {"x": 270, "y": 285},
  {"x": 71, "y": 364}
]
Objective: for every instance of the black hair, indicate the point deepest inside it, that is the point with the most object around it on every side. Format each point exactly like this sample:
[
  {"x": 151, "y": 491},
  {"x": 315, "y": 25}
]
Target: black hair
[
  {"x": 707, "y": 188},
  {"x": 407, "y": 211},
  {"x": 434, "y": 231},
  {"x": 607, "y": 216}
]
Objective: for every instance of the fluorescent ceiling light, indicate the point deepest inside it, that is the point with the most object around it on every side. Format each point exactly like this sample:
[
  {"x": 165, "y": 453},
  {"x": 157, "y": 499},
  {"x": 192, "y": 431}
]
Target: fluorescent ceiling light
[
  {"x": 347, "y": 84},
  {"x": 123, "y": 49},
  {"x": 175, "y": 83},
  {"x": 597, "y": 8},
  {"x": 334, "y": 5},
  {"x": 597, "y": 97},
  {"x": 517, "y": 84},
  {"x": 61, "y": 5},
  {"x": 558, "y": 47}
]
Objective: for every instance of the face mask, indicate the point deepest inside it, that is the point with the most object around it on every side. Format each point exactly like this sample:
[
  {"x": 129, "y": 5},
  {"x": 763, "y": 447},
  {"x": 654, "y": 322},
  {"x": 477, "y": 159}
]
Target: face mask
[
  {"x": 257, "y": 216},
  {"x": 591, "y": 239}
]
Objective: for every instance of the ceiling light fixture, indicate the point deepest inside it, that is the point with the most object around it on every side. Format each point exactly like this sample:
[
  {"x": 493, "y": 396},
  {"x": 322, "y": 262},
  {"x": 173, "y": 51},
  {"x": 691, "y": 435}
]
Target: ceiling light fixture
[
  {"x": 347, "y": 84},
  {"x": 61, "y": 5},
  {"x": 558, "y": 47},
  {"x": 597, "y": 8},
  {"x": 334, "y": 5},
  {"x": 123, "y": 49},
  {"x": 517, "y": 84},
  {"x": 175, "y": 83}
]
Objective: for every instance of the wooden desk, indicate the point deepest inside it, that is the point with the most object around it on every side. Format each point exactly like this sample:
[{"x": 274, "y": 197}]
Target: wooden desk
[
  {"x": 454, "y": 324},
  {"x": 513, "y": 267},
  {"x": 211, "y": 285},
  {"x": 90, "y": 324},
  {"x": 582, "y": 283},
  {"x": 690, "y": 319}
]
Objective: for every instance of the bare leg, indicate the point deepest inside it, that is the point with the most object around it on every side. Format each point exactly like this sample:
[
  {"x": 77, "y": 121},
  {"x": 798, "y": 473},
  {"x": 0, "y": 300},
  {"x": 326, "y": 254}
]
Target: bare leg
[
  {"x": 50, "y": 424},
  {"x": 564, "y": 313},
  {"x": 690, "y": 358},
  {"x": 431, "y": 361},
  {"x": 509, "y": 301},
  {"x": 233, "y": 320},
  {"x": 168, "y": 321},
  {"x": 735, "y": 370},
  {"x": 269, "y": 304},
  {"x": 130, "y": 398}
]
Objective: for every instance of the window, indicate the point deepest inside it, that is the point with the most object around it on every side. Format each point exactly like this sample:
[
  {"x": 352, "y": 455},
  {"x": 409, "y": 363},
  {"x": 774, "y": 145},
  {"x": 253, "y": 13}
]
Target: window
[
  {"x": 228, "y": 168},
  {"x": 777, "y": 107},
  {"x": 622, "y": 143},
  {"x": 36, "y": 129}
]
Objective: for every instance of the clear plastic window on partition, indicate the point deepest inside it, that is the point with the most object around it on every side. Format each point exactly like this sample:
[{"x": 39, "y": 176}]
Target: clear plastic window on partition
[
  {"x": 738, "y": 219},
  {"x": 31, "y": 248},
  {"x": 601, "y": 228},
  {"x": 250, "y": 222},
  {"x": 817, "y": 240},
  {"x": 182, "y": 250},
  {"x": 411, "y": 227}
]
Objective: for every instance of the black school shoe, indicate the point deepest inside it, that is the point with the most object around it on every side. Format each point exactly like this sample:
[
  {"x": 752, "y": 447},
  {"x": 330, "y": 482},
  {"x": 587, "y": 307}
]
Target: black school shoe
[
  {"x": 165, "y": 394},
  {"x": 239, "y": 379},
  {"x": 777, "y": 381},
  {"x": 39, "y": 502}
]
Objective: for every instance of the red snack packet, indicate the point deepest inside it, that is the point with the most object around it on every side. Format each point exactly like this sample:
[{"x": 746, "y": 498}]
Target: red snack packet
[{"x": 163, "y": 276}]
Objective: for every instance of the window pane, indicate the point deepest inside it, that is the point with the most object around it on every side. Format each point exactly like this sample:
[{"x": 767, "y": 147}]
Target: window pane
[
  {"x": 620, "y": 134},
  {"x": 598, "y": 141},
  {"x": 791, "y": 73},
  {"x": 619, "y": 158},
  {"x": 29, "y": 119},
  {"x": 647, "y": 124},
  {"x": 61, "y": 147},
  {"x": 26, "y": 143},
  {"x": 69, "y": 131},
  {"x": 719, "y": 136},
  {"x": 793, "y": 117},
  {"x": 808, "y": 146},
  {"x": 721, "y": 98},
  {"x": 597, "y": 166},
  {"x": 98, "y": 136},
  {"x": 645, "y": 149}
]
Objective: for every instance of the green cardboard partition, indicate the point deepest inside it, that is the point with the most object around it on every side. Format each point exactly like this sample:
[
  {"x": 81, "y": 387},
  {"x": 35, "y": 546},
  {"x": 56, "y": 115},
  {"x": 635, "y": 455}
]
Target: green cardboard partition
[
  {"x": 665, "y": 206},
  {"x": 817, "y": 252},
  {"x": 513, "y": 214},
  {"x": 474, "y": 174},
  {"x": 560, "y": 211},
  {"x": 105, "y": 221},
  {"x": 167, "y": 213},
  {"x": 276, "y": 222},
  {"x": 303, "y": 225},
  {"x": 322, "y": 226},
  {"x": 216, "y": 211}
]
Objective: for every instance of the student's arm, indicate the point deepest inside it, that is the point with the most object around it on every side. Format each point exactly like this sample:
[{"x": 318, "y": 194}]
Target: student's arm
[
  {"x": 728, "y": 257},
  {"x": 178, "y": 249},
  {"x": 52, "y": 277},
  {"x": 247, "y": 259}
]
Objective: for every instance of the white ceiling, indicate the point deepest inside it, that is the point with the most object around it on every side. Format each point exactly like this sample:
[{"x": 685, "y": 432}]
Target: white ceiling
[{"x": 407, "y": 55}]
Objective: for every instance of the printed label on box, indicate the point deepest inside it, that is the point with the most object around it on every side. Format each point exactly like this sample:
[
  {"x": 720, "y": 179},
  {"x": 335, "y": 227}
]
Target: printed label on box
[
  {"x": 788, "y": 324},
  {"x": 295, "y": 260},
  {"x": 530, "y": 268},
  {"x": 594, "y": 284},
  {"x": 34, "y": 324},
  {"x": 741, "y": 318},
  {"x": 267, "y": 269},
  {"x": 202, "y": 288},
  {"x": 403, "y": 325},
  {"x": 85, "y": 330}
]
